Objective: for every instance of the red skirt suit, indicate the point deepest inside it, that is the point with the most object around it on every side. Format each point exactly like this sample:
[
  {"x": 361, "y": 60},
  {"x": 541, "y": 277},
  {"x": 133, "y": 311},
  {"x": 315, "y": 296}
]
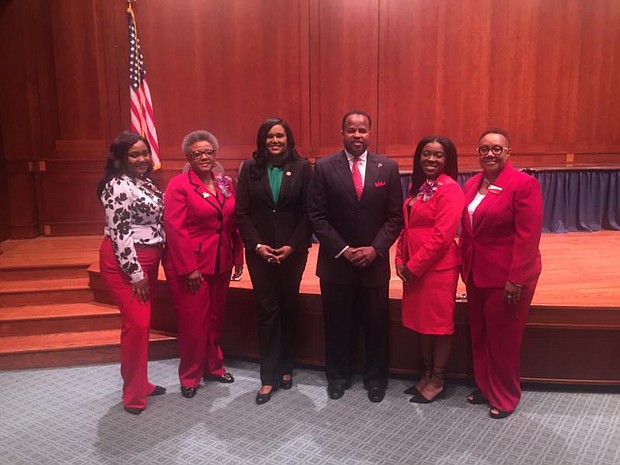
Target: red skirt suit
[{"x": 427, "y": 247}]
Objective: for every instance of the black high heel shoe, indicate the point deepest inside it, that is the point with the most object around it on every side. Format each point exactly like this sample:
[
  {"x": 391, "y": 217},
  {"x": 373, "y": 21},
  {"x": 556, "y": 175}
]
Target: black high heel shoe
[
  {"x": 476, "y": 398},
  {"x": 498, "y": 414},
  {"x": 437, "y": 373},
  {"x": 264, "y": 398},
  {"x": 286, "y": 384},
  {"x": 133, "y": 410},
  {"x": 420, "y": 399},
  {"x": 428, "y": 368},
  {"x": 188, "y": 392}
]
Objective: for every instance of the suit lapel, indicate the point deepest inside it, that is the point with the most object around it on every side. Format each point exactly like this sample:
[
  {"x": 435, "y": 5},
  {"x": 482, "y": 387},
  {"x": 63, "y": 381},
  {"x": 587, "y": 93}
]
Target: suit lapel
[
  {"x": 344, "y": 172},
  {"x": 267, "y": 187},
  {"x": 373, "y": 168},
  {"x": 288, "y": 173},
  {"x": 492, "y": 195},
  {"x": 201, "y": 190}
]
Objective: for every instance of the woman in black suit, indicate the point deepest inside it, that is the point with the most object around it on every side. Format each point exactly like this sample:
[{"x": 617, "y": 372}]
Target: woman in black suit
[{"x": 271, "y": 215}]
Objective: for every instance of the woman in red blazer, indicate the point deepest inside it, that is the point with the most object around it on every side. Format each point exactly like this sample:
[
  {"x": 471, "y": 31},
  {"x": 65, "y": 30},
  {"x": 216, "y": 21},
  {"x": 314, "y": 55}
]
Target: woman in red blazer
[
  {"x": 203, "y": 247},
  {"x": 502, "y": 224},
  {"x": 428, "y": 260}
]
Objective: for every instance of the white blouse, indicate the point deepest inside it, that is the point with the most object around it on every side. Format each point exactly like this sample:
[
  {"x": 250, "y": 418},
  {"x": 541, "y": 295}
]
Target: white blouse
[
  {"x": 471, "y": 208},
  {"x": 133, "y": 216}
]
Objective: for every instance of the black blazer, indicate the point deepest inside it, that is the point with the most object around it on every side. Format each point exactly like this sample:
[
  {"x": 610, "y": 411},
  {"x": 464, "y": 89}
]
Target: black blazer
[
  {"x": 261, "y": 220},
  {"x": 339, "y": 219}
]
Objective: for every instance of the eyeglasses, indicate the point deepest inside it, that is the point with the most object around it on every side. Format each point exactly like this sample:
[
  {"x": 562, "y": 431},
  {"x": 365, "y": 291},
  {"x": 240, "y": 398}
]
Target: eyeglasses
[
  {"x": 196, "y": 154},
  {"x": 494, "y": 149}
]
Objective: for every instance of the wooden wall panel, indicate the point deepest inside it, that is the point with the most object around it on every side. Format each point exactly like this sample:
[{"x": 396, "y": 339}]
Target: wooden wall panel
[
  {"x": 344, "y": 34},
  {"x": 20, "y": 117},
  {"x": 226, "y": 67},
  {"x": 547, "y": 71}
]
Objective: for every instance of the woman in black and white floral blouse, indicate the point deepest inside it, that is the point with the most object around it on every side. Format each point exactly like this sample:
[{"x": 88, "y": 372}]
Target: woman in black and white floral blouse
[{"x": 130, "y": 255}]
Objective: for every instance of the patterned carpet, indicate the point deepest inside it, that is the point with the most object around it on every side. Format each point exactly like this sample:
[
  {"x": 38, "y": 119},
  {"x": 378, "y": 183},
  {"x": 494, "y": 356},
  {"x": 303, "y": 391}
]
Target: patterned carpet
[{"x": 74, "y": 416}]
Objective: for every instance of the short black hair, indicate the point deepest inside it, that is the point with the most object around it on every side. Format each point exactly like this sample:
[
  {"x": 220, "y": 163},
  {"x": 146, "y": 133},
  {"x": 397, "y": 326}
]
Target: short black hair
[
  {"x": 500, "y": 131},
  {"x": 356, "y": 112}
]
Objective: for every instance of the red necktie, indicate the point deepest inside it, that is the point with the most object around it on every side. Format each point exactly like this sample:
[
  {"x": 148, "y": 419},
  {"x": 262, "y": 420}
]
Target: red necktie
[{"x": 357, "y": 178}]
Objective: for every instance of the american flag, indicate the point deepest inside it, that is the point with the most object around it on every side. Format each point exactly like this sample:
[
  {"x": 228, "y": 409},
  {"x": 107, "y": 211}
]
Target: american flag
[{"x": 142, "y": 118}]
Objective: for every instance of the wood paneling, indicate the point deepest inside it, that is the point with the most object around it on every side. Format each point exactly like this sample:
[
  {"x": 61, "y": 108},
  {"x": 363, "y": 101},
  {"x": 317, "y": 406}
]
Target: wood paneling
[
  {"x": 225, "y": 67},
  {"x": 343, "y": 67},
  {"x": 547, "y": 71}
]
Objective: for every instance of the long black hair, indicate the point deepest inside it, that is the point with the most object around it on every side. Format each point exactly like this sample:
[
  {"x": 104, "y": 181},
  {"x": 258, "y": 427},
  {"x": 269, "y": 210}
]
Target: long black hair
[
  {"x": 451, "y": 168},
  {"x": 259, "y": 168},
  {"x": 117, "y": 157}
]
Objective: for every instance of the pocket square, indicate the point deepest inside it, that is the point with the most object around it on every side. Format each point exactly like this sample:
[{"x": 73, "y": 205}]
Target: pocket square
[{"x": 380, "y": 184}]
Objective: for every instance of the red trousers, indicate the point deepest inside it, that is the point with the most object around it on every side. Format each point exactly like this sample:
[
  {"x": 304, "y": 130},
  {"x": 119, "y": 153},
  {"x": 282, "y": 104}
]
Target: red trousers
[
  {"x": 200, "y": 318},
  {"x": 496, "y": 334},
  {"x": 136, "y": 319}
]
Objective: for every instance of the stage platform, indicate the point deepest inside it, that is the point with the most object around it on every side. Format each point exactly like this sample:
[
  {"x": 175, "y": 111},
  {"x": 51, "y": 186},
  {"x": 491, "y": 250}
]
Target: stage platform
[{"x": 572, "y": 335}]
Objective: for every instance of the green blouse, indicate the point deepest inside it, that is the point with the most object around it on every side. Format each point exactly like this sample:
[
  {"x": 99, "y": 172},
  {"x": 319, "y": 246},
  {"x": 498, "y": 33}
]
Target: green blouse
[{"x": 274, "y": 173}]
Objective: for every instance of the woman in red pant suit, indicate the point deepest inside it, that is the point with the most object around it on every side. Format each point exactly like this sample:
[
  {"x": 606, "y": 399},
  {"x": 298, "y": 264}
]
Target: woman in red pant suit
[
  {"x": 428, "y": 260},
  {"x": 501, "y": 230},
  {"x": 203, "y": 247},
  {"x": 130, "y": 254}
]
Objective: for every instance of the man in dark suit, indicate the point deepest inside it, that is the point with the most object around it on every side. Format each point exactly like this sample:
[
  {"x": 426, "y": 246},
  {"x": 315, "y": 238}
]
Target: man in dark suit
[{"x": 355, "y": 208}]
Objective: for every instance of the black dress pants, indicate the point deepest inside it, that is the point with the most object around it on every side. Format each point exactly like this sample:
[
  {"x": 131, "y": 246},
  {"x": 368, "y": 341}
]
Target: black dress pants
[
  {"x": 342, "y": 305},
  {"x": 276, "y": 289}
]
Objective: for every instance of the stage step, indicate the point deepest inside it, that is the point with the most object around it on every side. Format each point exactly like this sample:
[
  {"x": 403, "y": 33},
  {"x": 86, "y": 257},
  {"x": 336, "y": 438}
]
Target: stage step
[
  {"x": 42, "y": 272},
  {"x": 44, "y": 291},
  {"x": 57, "y": 318},
  {"x": 74, "y": 348}
]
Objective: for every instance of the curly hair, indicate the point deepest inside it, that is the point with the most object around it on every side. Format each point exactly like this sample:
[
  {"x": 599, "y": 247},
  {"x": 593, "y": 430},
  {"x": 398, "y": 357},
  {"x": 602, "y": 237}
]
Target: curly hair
[{"x": 117, "y": 157}]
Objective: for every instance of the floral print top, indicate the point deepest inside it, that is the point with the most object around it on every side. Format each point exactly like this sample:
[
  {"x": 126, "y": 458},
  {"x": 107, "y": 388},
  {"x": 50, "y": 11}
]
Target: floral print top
[{"x": 133, "y": 215}]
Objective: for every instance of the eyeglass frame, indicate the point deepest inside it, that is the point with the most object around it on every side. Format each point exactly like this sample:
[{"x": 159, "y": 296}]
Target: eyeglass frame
[
  {"x": 490, "y": 149},
  {"x": 197, "y": 154}
]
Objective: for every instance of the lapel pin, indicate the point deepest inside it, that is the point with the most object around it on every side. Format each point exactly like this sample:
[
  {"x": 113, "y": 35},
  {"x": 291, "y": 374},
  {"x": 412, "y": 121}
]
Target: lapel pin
[
  {"x": 494, "y": 189},
  {"x": 205, "y": 195},
  {"x": 288, "y": 173}
]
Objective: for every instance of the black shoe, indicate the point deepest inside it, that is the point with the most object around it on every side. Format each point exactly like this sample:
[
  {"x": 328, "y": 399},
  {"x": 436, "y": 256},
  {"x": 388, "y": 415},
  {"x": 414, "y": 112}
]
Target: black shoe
[
  {"x": 264, "y": 398},
  {"x": 498, "y": 414},
  {"x": 188, "y": 392},
  {"x": 225, "y": 378},
  {"x": 286, "y": 384},
  {"x": 420, "y": 399},
  {"x": 335, "y": 391},
  {"x": 476, "y": 398},
  {"x": 134, "y": 410},
  {"x": 376, "y": 394},
  {"x": 412, "y": 391},
  {"x": 157, "y": 391}
]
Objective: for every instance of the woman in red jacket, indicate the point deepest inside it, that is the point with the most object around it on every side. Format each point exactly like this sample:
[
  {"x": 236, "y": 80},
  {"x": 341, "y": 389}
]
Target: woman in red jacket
[
  {"x": 203, "y": 247},
  {"x": 428, "y": 260},
  {"x": 502, "y": 225}
]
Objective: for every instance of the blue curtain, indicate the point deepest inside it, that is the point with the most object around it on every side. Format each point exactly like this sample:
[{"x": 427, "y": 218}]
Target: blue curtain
[{"x": 580, "y": 200}]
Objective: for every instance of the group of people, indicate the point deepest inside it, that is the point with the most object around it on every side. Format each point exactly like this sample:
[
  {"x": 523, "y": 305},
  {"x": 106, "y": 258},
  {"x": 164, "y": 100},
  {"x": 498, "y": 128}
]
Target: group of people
[{"x": 352, "y": 201}]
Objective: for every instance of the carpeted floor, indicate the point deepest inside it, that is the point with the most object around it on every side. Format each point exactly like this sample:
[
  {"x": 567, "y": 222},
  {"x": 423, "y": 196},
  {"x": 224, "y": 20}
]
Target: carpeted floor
[{"x": 74, "y": 416}]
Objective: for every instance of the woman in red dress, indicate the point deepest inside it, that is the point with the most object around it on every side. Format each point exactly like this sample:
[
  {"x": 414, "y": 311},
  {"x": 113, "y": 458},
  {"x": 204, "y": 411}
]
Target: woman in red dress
[{"x": 428, "y": 260}]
